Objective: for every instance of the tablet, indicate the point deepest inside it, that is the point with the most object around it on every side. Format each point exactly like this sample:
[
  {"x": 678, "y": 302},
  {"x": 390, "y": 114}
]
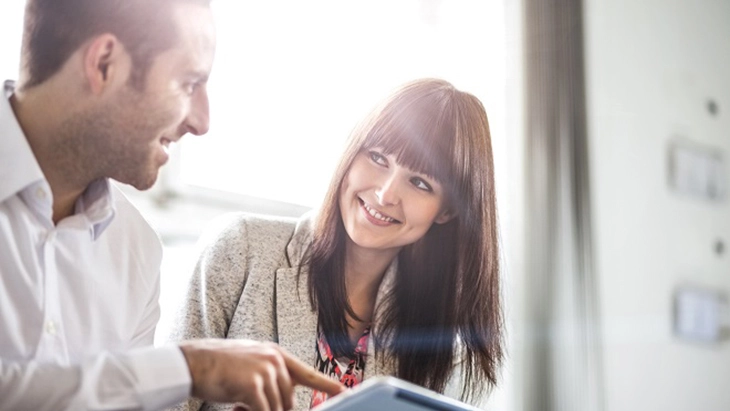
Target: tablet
[{"x": 391, "y": 394}]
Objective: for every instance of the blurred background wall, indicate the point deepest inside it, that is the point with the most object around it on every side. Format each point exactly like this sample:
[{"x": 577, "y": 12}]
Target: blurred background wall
[
  {"x": 658, "y": 104},
  {"x": 622, "y": 273}
]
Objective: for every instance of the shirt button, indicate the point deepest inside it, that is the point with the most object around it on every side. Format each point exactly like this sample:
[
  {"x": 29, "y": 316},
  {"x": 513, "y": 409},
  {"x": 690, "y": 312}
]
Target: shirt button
[
  {"x": 51, "y": 236},
  {"x": 40, "y": 193},
  {"x": 51, "y": 327}
]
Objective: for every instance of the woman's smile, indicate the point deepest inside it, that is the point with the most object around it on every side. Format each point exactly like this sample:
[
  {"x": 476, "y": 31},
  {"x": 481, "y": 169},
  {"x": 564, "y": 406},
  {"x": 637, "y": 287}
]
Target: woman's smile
[{"x": 375, "y": 216}]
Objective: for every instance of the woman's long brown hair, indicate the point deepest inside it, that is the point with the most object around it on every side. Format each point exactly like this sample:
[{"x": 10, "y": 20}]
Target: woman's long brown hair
[{"x": 447, "y": 285}]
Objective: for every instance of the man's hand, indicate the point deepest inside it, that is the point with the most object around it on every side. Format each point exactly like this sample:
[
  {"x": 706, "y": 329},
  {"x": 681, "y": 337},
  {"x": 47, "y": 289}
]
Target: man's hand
[{"x": 260, "y": 375}]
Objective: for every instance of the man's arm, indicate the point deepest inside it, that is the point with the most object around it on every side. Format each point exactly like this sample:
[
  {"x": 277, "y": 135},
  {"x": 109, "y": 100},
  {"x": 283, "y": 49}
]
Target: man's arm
[
  {"x": 143, "y": 379},
  {"x": 31, "y": 386},
  {"x": 261, "y": 375}
]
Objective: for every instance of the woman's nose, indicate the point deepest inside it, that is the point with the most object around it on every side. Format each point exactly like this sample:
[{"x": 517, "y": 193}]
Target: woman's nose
[{"x": 387, "y": 192}]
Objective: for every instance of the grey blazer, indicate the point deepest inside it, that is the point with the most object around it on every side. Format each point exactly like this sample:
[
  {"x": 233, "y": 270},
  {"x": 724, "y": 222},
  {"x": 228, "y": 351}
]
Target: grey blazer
[{"x": 245, "y": 286}]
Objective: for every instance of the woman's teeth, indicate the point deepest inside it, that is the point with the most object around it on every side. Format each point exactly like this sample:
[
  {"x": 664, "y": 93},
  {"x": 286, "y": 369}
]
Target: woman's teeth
[{"x": 377, "y": 215}]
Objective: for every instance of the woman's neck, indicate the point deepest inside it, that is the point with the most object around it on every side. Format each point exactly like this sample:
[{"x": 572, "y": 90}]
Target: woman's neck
[{"x": 364, "y": 271}]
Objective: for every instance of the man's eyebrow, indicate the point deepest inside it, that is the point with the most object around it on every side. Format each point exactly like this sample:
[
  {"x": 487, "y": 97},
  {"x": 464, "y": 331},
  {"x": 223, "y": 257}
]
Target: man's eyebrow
[{"x": 200, "y": 76}]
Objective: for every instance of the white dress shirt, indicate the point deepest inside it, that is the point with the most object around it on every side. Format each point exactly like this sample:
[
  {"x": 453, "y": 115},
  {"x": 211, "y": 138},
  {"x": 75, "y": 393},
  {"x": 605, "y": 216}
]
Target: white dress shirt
[{"x": 78, "y": 300}]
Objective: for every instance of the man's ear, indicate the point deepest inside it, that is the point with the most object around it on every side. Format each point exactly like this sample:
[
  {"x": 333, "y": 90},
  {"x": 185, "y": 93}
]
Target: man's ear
[
  {"x": 444, "y": 217},
  {"x": 104, "y": 62}
]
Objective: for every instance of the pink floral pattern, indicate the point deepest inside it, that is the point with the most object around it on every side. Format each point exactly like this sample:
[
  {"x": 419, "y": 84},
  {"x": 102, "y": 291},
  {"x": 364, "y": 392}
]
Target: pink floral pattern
[{"x": 349, "y": 373}]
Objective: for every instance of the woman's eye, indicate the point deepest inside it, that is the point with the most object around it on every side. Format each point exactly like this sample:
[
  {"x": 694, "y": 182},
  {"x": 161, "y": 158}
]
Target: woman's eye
[
  {"x": 378, "y": 158},
  {"x": 421, "y": 184}
]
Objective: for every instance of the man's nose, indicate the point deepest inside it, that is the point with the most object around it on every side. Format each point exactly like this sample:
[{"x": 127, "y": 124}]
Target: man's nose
[{"x": 198, "y": 120}]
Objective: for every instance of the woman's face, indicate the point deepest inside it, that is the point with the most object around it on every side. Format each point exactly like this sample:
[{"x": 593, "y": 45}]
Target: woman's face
[{"x": 386, "y": 206}]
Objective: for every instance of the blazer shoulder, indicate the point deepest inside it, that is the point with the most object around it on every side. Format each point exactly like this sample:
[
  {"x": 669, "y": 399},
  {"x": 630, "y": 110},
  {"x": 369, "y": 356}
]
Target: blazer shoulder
[
  {"x": 258, "y": 235},
  {"x": 266, "y": 230}
]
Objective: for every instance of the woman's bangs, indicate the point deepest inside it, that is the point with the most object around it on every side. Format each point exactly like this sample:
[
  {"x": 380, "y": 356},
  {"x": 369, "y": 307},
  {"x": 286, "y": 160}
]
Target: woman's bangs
[{"x": 417, "y": 145}]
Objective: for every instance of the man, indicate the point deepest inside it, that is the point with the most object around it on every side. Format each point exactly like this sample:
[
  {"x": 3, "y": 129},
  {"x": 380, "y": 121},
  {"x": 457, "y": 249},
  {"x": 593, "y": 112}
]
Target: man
[{"x": 105, "y": 87}]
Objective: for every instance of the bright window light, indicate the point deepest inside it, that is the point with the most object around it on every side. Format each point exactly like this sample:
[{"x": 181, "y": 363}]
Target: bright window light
[
  {"x": 292, "y": 79},
  {"x": 11, "y": 31}
]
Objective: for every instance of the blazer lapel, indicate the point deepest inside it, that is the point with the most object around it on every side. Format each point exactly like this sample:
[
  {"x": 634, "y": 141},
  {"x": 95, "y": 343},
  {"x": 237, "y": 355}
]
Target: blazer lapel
[{"x": 296, "y": 324}]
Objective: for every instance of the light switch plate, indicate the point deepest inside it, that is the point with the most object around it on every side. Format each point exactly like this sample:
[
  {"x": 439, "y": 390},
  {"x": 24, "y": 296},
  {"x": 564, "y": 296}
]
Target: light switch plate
[
  {"x": 699, "y": 314},
  {"x": 697, "y": 171}
]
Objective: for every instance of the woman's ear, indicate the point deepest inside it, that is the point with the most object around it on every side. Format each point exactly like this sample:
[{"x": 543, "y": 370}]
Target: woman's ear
[{"x": 444, "y": 217}]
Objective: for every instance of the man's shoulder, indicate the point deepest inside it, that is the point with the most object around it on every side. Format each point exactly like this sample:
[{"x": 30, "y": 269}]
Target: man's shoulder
[
  {"x": 125, "y": 208},
  {"x": 130, "y": 222}
]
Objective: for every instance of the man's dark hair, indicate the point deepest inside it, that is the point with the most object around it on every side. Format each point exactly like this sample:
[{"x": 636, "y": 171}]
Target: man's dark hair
[{"x": 54, "y": 29}]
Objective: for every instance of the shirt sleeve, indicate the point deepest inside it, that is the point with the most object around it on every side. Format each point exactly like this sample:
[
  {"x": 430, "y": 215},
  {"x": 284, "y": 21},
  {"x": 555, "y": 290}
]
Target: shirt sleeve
[
  {"x": 142, "y": 379},
  {"x": 144, "y": 336}
]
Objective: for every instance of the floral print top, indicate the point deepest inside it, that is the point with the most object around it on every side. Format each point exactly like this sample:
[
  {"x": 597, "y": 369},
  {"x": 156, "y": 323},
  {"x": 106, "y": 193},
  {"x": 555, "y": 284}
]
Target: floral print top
[{"x": 347, "y": 370}]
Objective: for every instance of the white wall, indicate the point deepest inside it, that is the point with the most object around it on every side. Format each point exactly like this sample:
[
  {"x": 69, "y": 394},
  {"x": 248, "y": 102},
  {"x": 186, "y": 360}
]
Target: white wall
[
  {"x": 11, "y": 31},
  {"x": 651, "y": 67}
]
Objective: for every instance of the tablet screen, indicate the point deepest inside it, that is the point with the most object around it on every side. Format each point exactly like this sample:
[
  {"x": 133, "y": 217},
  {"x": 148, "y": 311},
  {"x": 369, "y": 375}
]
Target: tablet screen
[{"x": 392, "y": 394}]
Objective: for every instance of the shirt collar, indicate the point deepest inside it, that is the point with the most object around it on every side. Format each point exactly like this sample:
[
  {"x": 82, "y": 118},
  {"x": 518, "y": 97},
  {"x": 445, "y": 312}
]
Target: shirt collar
[
  {"x": 18, "y": 166},
  {"x": 97, "y": 205}
]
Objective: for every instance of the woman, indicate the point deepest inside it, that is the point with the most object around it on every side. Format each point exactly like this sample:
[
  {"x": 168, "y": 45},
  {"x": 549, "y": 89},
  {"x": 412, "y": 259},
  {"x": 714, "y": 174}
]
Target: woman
[{"x": 397, "y": 274}]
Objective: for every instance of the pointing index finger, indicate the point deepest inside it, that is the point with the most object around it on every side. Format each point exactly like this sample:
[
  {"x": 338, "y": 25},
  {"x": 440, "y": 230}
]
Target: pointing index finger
[{"x": 308, "y": 376}]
